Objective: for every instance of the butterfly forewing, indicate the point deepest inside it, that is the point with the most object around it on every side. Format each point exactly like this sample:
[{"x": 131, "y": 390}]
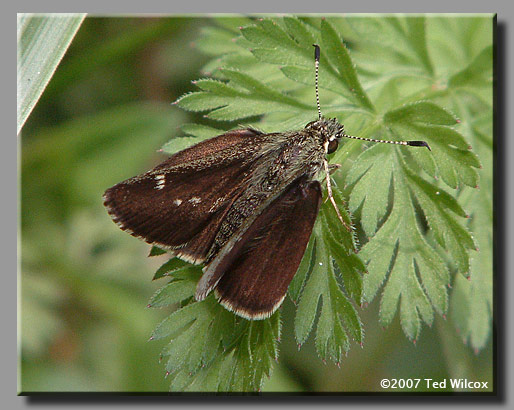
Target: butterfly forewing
[{"x": 180, "y": 203}]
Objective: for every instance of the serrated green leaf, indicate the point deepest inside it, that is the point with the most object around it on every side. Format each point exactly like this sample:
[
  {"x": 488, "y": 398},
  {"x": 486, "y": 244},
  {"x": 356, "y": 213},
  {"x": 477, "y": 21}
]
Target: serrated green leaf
[
  {"x": 228, "y": 103},
  {"x": 179, "y": 380},
  {"x": 471, "y": 304},
  {"x": 346, "y": 312},
  {"x": 436, "y": 205},
  {"x": 243, "y": 108},
  {"x": 176, "y": 321},
  {"x": 169, "y": 267},
  {"x": 201, "y": 131},
  {"x": 308, "y": 304},
  {"x": 378, "y": 174},
  {"x": 269, "y": 34},
  {"x": 217, "y": 87},
  {"x": 221, "y": 326},
  {"x": 341, "y": 244},
  {"x": 342, "y": 62},
  {"x": 399, "y": 247},
  {"x": 174, "y": 292},
  {"x": 276, "y": 46},
  {"x": 201, "y": 101},
  {"x": 344, "y": 234},
  {"x": 420, "y": 111},
  {"x": 179, "y": 350},
  {"x": 454, "y": 162},
  {"x": 325, "y": 330},
  {"x": 331, "y": 336},
  {"x": 257, "y": 88},
  {"x": 212, "y": 349},
  {"x": 299, "y": 31},
  {"x": 350, "y": 269},
  {"x": 296, "y": 285}
]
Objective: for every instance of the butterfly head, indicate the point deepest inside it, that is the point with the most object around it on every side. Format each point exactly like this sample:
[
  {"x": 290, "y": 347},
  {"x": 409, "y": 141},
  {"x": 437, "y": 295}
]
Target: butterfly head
[{"x": 329, "y": 131}]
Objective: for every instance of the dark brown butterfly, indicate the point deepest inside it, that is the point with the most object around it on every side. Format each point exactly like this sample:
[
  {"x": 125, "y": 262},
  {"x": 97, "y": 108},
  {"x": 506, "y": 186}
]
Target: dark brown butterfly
[{"x": 243, "y": 204}]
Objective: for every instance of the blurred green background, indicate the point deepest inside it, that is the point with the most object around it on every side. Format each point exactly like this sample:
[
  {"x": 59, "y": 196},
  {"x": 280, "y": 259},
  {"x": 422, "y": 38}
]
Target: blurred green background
[{"x": 84, "y": 324}]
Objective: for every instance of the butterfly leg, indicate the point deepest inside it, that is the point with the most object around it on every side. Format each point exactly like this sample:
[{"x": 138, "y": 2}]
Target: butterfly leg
[{"x": 331, "y": 196}]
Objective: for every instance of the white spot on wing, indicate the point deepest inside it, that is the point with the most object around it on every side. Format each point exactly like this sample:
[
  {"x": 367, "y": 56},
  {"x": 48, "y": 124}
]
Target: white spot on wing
[
  {"x": 195, "y": 200},
  {"x": 161, "y": 181},
  {"x": 177, "y": 202}
]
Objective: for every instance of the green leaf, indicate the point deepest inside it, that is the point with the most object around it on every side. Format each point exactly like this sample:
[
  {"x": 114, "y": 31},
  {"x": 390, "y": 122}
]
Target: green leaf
[
  {"x": 291, "y": 47},
  {"x": 438, "y": 208},
  {"x": 337, "y": 317},
  {"x": 421, "y": 111},
  {"x": 299, "y": 279},
  {"x": 334, "y": 47},
  {"x": 171, "y": 266},
  {"x": 198, "y": 360},
  {"x": 400, "y": 249},
  {"x": 374, "y": 169},
  {"x": 179, "y": 289},
  {"x": 201, "y": 131},
  {"x": 308, "y": 305},
  {"x": 230, "y": 103},
  {"x": 42, "y": 41},
  {"x": 210, "y": 348},
  {"x": 299, "y": 31},
  {"x": 451, "y": 158}
]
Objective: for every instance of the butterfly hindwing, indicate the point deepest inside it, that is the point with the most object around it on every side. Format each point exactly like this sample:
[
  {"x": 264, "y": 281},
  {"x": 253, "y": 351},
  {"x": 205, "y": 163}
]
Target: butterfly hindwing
[{"x": 253, "y": 276}]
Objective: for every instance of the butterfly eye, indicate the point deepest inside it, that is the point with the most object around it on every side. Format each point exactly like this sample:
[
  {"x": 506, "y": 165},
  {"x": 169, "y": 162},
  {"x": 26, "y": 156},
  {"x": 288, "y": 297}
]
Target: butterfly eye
[{"x": 332, "y": 146}]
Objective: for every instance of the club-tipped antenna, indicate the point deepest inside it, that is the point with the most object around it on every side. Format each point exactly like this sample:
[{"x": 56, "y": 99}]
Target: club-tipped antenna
[
  {"x": 410, "y": 143},
  {"x": 317, "y": 54}
]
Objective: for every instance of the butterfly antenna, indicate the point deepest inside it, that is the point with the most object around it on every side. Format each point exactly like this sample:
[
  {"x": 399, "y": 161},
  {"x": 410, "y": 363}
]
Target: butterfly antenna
[
  {"x": 410, "y": 143},
  {"x": 316, "y": 66}
]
